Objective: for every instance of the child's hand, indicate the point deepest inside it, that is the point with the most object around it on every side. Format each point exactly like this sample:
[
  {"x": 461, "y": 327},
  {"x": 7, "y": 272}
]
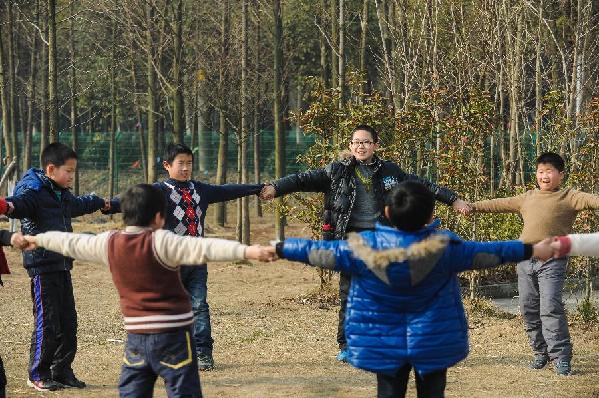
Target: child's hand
[
  {"x": 261, "y": 253},
  {"x": 462, "y": 207},
  {"x": 268, "y": 192},
  {"x": 106, "y": 205},
  {"x": 543, "y": 250},
  {"x": 17, "y": 240},
  {"x": 31, "y": 242},
  {"x": 561, "y": 246}
]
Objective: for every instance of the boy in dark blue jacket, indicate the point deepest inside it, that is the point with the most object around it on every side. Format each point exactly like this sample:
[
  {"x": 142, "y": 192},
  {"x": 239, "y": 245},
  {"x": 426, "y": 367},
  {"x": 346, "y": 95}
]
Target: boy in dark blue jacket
[
  {"x": 187, "y": 201},
  {"x": 43, "y": 202},
  {"x": 405, "y": 306}
]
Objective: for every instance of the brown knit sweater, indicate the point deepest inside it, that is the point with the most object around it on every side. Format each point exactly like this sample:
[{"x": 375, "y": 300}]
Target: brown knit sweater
[{"x": 545, "y": 213}]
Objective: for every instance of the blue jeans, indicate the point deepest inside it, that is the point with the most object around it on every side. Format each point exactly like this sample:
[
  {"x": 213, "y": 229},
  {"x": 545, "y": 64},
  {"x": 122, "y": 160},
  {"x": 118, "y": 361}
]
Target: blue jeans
[
  {"x": 168, "y": 355},
  {"x": 195, "y": 278}
]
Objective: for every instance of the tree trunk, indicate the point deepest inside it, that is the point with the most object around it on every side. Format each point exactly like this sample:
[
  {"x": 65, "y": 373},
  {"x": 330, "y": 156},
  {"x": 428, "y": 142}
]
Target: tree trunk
[
  {"x": 221, "y": 170},
  {"x": 245, "y": 208},
  {"x": 52, "y": 71},
  {"x": 538, "y": 82},
  {"x": 4, "y": 100},
  {"x": 178, "y": 105},
  {"x": 256, "y": 111},
  {"x": 324, "y": 75},
  {"x": 334, "y": 44},
  {"x": 381, "y": 13},
  {"x": 363, "y": 40},
  {"x": 73, "y": 95},
  {"x": 113, "y": 106},
  {"x": 12, "y": 100},
  {"x": 151, "y": 177},
  {"x": 138, "y": 116},
  {"x": 278, "y": 112},
  {"x": 342, "y": 93},
  {"x": 44, "y": 124}
]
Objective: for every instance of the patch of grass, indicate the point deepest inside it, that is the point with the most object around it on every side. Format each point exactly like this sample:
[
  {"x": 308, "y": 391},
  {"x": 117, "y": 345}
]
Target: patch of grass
[
  {"x": 324, "y": 296},
  {"x": 587, "y": 313},
  {"x": 484, "y": 307}
]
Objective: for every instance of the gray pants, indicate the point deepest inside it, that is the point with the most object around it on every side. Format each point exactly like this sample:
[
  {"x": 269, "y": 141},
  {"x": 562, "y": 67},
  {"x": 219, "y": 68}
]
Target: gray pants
[{"x": 540, "y": 287}]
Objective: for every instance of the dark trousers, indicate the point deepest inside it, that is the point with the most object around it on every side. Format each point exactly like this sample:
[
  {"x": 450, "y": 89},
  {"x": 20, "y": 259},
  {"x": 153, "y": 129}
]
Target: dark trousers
[
  {"x": 195, "y": 281},
  {"x": 171, "y": 356},
  {"x": 54, "y": 337},
  {"x": 2, "y": 380},
  {"x": 344, "y": 284},
  {"x": 431, "y": 385}
]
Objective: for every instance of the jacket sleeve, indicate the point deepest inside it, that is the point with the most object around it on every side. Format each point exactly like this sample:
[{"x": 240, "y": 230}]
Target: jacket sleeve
[
  {"x": 25, "y": 204},
  {"x": 82, "y": 247},
  {"x": 223, "y": 193},
  {"x": 85, "y": 204},
  {"x": 309, "y": 181},
  {"x": 330, "y": 254},
  {"x": 583, "y": 200},
  {"x": 470, "y": 255},
  {"x": 174, "y": 250},
  {"x": 511, "y": 204},
  {"x": 5, "y": 236},
  {"x": 442, "y": 194},
  {"x": 584, "y": 244}
]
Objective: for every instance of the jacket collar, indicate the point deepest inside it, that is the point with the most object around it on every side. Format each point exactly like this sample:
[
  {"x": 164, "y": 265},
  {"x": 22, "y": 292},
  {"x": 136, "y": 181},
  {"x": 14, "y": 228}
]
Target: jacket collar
[
  {"x": 352, "y": 161},
  {"x": 433, "y": 226}
]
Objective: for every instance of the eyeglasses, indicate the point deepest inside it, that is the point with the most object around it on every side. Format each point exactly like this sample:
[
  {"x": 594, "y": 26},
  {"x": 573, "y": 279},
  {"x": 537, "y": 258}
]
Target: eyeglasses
[{"x": 366, "y": 144}]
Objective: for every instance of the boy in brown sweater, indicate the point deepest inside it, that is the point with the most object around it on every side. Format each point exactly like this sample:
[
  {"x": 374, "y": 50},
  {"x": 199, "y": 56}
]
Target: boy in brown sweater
[
  {"x": 144, "y": 262},
  {"x": 547, "y": 211}
]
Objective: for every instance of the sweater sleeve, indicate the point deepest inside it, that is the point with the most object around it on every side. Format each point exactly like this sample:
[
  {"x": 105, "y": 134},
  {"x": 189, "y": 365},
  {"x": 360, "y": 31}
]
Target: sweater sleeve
[
  {"x": 584, "y": 244},
  {"x": 583, "y": 200},
  {"x": 510, "y": 204},
  {"x": 82, "y": 247},
  {"x": 174, "y": 250}
]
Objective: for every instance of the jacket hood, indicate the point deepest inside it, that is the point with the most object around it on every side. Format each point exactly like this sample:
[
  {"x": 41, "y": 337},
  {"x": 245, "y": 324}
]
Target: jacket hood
[
  {"x": 33, "y": 179},
  {"x": 420, "y": 251}
]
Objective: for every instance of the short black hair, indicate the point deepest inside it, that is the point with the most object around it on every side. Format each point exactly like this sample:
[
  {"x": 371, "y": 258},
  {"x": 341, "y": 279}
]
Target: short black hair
[
  {"x": 140, "y": 203},
  {"x": 411, "y": 205},
  {"x": 172, "y": 150},
  {"x": 57, "y": 154},
  {"x": 553, "y": 159},
  {"x": 370, "y": 129}
]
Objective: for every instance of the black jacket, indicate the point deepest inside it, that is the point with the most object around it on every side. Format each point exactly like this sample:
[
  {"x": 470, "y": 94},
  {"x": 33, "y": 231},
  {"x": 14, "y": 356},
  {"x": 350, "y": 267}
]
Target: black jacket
[
  {"x": 338, "y": 182},
  {"x": 41, "y": 210}
]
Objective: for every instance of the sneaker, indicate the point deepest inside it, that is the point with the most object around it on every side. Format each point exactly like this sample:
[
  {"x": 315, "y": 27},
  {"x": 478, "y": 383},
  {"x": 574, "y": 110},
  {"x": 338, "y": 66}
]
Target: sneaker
[
  {"x": 562, "y": 368},
  {"x": 343, "y": 354},
  {"x": 205, "y": 362},
  {"x": 70, "y": 381},
  {"x": 44, "y": 385},
  {"x": 539, "y": 362}
]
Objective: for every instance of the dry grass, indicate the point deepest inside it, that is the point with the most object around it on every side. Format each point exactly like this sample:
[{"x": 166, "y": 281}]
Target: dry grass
[{"x": 275, "y": 337}]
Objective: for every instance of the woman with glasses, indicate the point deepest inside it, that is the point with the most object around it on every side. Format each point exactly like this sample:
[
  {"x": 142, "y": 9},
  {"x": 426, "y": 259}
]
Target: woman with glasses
[{"x": 355, "y": 190}]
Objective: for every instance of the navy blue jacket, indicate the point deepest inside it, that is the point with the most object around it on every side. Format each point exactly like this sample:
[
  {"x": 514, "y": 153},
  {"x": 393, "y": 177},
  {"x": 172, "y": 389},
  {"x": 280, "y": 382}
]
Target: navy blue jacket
[
  {"x": 41, "y": 210},
  {"x": 404, "y": 306}
]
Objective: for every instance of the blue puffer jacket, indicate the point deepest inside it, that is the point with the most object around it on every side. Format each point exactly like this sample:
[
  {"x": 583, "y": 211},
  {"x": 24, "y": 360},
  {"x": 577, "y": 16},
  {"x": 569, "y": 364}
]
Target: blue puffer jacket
[
  {"x": 41, "y": 210},
  {"x": 405, "y": 304}
]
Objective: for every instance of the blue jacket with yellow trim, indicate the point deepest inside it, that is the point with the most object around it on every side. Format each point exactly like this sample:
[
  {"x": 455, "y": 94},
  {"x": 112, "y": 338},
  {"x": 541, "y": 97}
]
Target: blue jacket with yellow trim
[{"x": 404, "y": 304}]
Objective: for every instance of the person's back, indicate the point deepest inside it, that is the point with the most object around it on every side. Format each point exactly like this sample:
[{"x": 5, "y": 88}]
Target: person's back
[{"x": 404, "y": 306}]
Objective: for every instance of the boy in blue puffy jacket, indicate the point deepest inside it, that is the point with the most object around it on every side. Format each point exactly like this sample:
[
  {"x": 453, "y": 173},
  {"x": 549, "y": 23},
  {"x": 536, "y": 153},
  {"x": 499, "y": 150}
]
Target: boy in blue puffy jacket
[
  {"x": 405, "y": 306},
  {"x": 43, "y": 202}
]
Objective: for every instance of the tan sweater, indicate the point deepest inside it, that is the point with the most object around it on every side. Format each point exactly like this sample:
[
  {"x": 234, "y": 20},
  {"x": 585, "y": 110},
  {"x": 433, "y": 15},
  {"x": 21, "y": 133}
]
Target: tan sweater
[{"x": 545, "y": 213}]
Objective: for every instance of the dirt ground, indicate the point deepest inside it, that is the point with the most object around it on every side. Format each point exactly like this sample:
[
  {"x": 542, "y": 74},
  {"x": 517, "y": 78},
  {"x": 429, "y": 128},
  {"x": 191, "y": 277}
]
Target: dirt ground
[{"x": 268, "y": 343}]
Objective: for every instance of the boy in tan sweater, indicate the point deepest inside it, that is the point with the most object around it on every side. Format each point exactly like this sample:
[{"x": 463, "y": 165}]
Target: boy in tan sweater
[
  {"x": 547, "y": 211},
  {"x": 144, "y": 262}
]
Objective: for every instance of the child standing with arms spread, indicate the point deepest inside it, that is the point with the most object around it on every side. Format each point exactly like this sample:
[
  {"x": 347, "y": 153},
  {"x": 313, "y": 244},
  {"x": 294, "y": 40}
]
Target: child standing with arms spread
[
  {"x": 144, "y": 262},
  {"x": 186, "y": 205},
  {"x": 405, "y": 306},
  {"x": 43, "y": 202},
  {"x": 547, "y": 211}
]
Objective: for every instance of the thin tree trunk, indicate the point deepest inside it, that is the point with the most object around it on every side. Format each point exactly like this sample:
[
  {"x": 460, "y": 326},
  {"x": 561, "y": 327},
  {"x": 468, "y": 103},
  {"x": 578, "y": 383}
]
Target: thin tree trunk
[
  {"x": 278, "y": 112},
  {"x": 73, "y": 95},
  {"x": 245, "y": 208},
  {"x": 538, "y": 82},
  {"x": 113, "y": 107},
  {"x": 151, "y": 176},
  {"x": 323, "y": 45},
  {"x": 334, "y": 44},
  {"x": 342, "y": 88},
  {"x": 363, "y": 40},
  {"x": 138, "y": 115},
  {"x": 178, "y": 104},
  {"x": 221, "y": 170},
  {"x": 44, "y": 124},
  {"x": 4, "y": 100},
  {"x": 11, "y": 83},
  {"x": 256, "y": 111},
  {"x": 52, "y": 71}
]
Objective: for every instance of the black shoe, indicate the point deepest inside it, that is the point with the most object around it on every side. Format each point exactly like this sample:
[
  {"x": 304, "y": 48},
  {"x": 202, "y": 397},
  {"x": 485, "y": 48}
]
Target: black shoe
[
  {"x": 539, "y": 362},
  {"x": 44, "y": 385},
  {"x": 70, "y": 381}
]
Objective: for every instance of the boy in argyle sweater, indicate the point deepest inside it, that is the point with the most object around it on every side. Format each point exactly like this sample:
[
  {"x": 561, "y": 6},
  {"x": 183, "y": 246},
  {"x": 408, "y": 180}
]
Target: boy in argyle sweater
[{"x": 187, "y": 202}]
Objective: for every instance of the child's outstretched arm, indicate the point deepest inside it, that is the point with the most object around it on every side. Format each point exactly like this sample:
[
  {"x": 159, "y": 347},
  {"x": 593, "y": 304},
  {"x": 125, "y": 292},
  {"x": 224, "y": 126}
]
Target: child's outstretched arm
[
  {"x": 510, "y": 204},
  {"x": 82, "y": 247},
  {"x": 583, "y": 200},
  {"x": 86, "y": 204},
  {"x": 317, "y": 180},
  {"x": 330, "y": 254},
  {"x": 223, "y": 193},
  {"x": 576, "y": 245},
  {"x": 175, "y": 250}
]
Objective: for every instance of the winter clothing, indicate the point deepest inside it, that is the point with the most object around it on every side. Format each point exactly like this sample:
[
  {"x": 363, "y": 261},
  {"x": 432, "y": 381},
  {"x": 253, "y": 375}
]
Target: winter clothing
[
  {"x": 580, "y": 245},
  {"x": 404, "y": 304},
  {"x": 431, "y": 385},
  {"x": 4, "y": 241},
  {"x": 145, "y": 268},
  {"x": 43, "y": 206}
]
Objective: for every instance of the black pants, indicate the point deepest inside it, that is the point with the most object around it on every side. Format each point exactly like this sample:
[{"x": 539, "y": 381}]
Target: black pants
[
  {"x": 344, "y": 284},
  {"x": 54, "y": 337},
  {"x": 2, "y": 380},
  {"x": 431, "y": 385}
]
